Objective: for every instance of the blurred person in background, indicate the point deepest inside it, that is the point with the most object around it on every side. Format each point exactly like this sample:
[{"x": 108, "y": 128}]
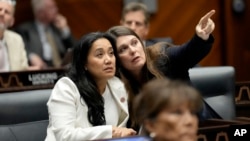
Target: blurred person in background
[
  {"x": 171, "y": 112},
  {"x": 135, "y": 15},
  {"x": 12, "y": 52},
  {"x": 48, "y": 37}
]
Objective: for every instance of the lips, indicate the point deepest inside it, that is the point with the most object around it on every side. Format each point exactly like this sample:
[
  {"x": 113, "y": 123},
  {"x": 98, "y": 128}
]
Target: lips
[
  {"x": 135, "y": 59},
  {"x": 108, "y": 69}
]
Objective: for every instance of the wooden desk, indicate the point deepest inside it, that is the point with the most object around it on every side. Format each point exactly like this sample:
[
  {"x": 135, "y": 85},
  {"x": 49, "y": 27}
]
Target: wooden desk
[
  {"x": 222, "y": 130},
  {"x": 242, "y": 99},
  {"x": 28, "y": 80},
  {"x": 242, "y": 91}
]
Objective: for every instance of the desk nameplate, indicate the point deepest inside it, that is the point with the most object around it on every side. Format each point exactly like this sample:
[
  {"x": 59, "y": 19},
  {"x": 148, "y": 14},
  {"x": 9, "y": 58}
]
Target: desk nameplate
[{"x": 27, "y": 80}]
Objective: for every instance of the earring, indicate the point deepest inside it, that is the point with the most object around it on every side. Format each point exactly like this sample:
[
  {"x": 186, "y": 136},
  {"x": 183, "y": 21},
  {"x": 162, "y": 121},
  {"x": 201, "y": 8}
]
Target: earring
[
  {"x": 152, "y": 134},
  {"x": 85, "y": 68}
]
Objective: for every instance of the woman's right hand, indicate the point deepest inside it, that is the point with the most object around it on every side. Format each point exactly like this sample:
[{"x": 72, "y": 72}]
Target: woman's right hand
[
  {"x": 205, "y": 26},
  {"x": 118, "y": 132}
]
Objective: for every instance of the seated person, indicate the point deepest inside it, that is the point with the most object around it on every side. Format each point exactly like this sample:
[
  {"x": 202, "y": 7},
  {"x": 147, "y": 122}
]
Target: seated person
[
  {"x": 135, "y": 16},
  {"x": 12, "y": 52},
  {"x": 89, "y": 103},
  {"x": 48, "y": 37},
  {"x": 137, "y": 64},
  {"x": 167, "y": 110}
]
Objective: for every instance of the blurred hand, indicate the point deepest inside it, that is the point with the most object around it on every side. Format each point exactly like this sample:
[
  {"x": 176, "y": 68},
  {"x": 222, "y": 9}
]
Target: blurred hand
[
  {"x": 33, "y": 68},
  {"x": 118, "y": 132},
  {"x": 205, "y": 26},
  {"x": 37, "y": 62},
  {"x": 60, "y": 22}
]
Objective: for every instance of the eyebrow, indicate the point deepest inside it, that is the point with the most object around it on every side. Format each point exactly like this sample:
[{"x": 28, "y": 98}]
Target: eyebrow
[
  {"x": 101, "y": 48},
  {"x": 134, "y": 38},
  {"x": 121, "y": 46}
]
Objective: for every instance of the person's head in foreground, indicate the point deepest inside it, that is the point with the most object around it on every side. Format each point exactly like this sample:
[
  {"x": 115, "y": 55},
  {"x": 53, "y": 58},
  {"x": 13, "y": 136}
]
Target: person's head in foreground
[{"x": 167, "y": 110}]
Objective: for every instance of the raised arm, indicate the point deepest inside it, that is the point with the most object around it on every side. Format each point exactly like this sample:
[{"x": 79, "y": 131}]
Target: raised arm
[
  {"x": 205, "y": 26},
  {"x": 191, "y": 53}
]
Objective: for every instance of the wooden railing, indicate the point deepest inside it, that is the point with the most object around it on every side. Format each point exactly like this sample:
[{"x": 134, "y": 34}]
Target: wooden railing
[
  {"x": 224, "y": 130},
  {"x": 242, "y": 99}
]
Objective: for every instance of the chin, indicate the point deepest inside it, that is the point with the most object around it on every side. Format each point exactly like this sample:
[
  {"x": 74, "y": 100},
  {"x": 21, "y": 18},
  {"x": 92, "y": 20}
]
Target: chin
[
  {"x": 189, "y": 138},
  {"x": 110, "y": 75}
]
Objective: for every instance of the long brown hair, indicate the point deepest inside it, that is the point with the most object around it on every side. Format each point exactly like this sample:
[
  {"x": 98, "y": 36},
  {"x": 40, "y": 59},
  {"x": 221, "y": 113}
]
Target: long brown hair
[{"x": 149, "y": 71}]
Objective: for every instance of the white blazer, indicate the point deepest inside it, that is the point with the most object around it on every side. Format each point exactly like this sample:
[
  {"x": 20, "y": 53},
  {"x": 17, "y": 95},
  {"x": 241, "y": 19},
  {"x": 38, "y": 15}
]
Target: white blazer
[
  {"x": 16, "y": 51},
  {"x": 68, "y": 119}
]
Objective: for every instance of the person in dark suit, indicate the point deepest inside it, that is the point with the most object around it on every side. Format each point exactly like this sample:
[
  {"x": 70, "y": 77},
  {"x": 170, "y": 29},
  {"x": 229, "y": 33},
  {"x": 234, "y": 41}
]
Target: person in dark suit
[
  {"x": 48, "y": 37},
  {"x": 135, "y": 16}
]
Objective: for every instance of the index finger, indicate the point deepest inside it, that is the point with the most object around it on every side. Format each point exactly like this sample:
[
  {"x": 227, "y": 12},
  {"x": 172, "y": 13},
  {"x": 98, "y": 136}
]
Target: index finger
[{"x": 208, "y": 15}]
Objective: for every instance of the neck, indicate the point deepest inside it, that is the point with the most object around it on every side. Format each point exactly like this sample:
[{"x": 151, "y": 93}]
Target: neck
[
  {"x": 101, "y": 85},
  {"x": 138, "y": 76}
]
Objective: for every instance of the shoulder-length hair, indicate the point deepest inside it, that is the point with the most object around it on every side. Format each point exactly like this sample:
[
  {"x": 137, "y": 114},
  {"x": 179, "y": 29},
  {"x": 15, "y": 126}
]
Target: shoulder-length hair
[
  {"x": 83, "y": 79},
  {"x": 161, "y": 94},
  {"x": 150, "y": 69}
]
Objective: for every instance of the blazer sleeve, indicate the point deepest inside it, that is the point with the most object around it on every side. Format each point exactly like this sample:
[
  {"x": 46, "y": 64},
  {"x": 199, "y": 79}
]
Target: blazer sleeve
[
  {"x": 23, "y": 60},
  {"x": 190, "y": 53},
  {"x": 181, "y": 58},
  {"x": 17, "y": 53},
  {"x": 21, "y": 30},
  {"x": 63, "y": 105}
]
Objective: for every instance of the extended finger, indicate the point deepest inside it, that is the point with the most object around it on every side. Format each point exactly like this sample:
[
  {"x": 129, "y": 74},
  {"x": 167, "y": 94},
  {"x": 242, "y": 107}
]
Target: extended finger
[{"x": 207, "y": 16}]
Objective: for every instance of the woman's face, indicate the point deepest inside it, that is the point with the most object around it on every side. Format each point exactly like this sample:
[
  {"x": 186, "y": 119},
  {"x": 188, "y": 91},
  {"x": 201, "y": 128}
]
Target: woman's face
[
  {"x": 101, "y": 60},
  {"x": 174, "y": 124},
  {"x": 131, "y": 53}
]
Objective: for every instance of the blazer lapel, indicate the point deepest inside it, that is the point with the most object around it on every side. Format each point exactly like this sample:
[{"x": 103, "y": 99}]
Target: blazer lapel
[
  {"x": 120, "y": 97},
  {"x": 11, "y": 51}
]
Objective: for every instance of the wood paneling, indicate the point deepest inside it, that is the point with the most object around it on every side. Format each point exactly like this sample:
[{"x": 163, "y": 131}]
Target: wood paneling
[
  {"x": 174, "y": 18},
  {"x": 237, "y": 28},
  {"x": 83, "y": 16},
  {"x": 91, "y": 15},
  {"x": 177, "y": 18}
]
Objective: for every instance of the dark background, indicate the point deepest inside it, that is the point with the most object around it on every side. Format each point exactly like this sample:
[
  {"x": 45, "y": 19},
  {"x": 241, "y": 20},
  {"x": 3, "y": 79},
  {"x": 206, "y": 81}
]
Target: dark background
[{"x": 175, "y": 18}]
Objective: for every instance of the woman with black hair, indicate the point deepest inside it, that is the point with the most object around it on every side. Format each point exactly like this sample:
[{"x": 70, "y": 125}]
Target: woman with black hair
[{"x": 89, "y": 103}]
